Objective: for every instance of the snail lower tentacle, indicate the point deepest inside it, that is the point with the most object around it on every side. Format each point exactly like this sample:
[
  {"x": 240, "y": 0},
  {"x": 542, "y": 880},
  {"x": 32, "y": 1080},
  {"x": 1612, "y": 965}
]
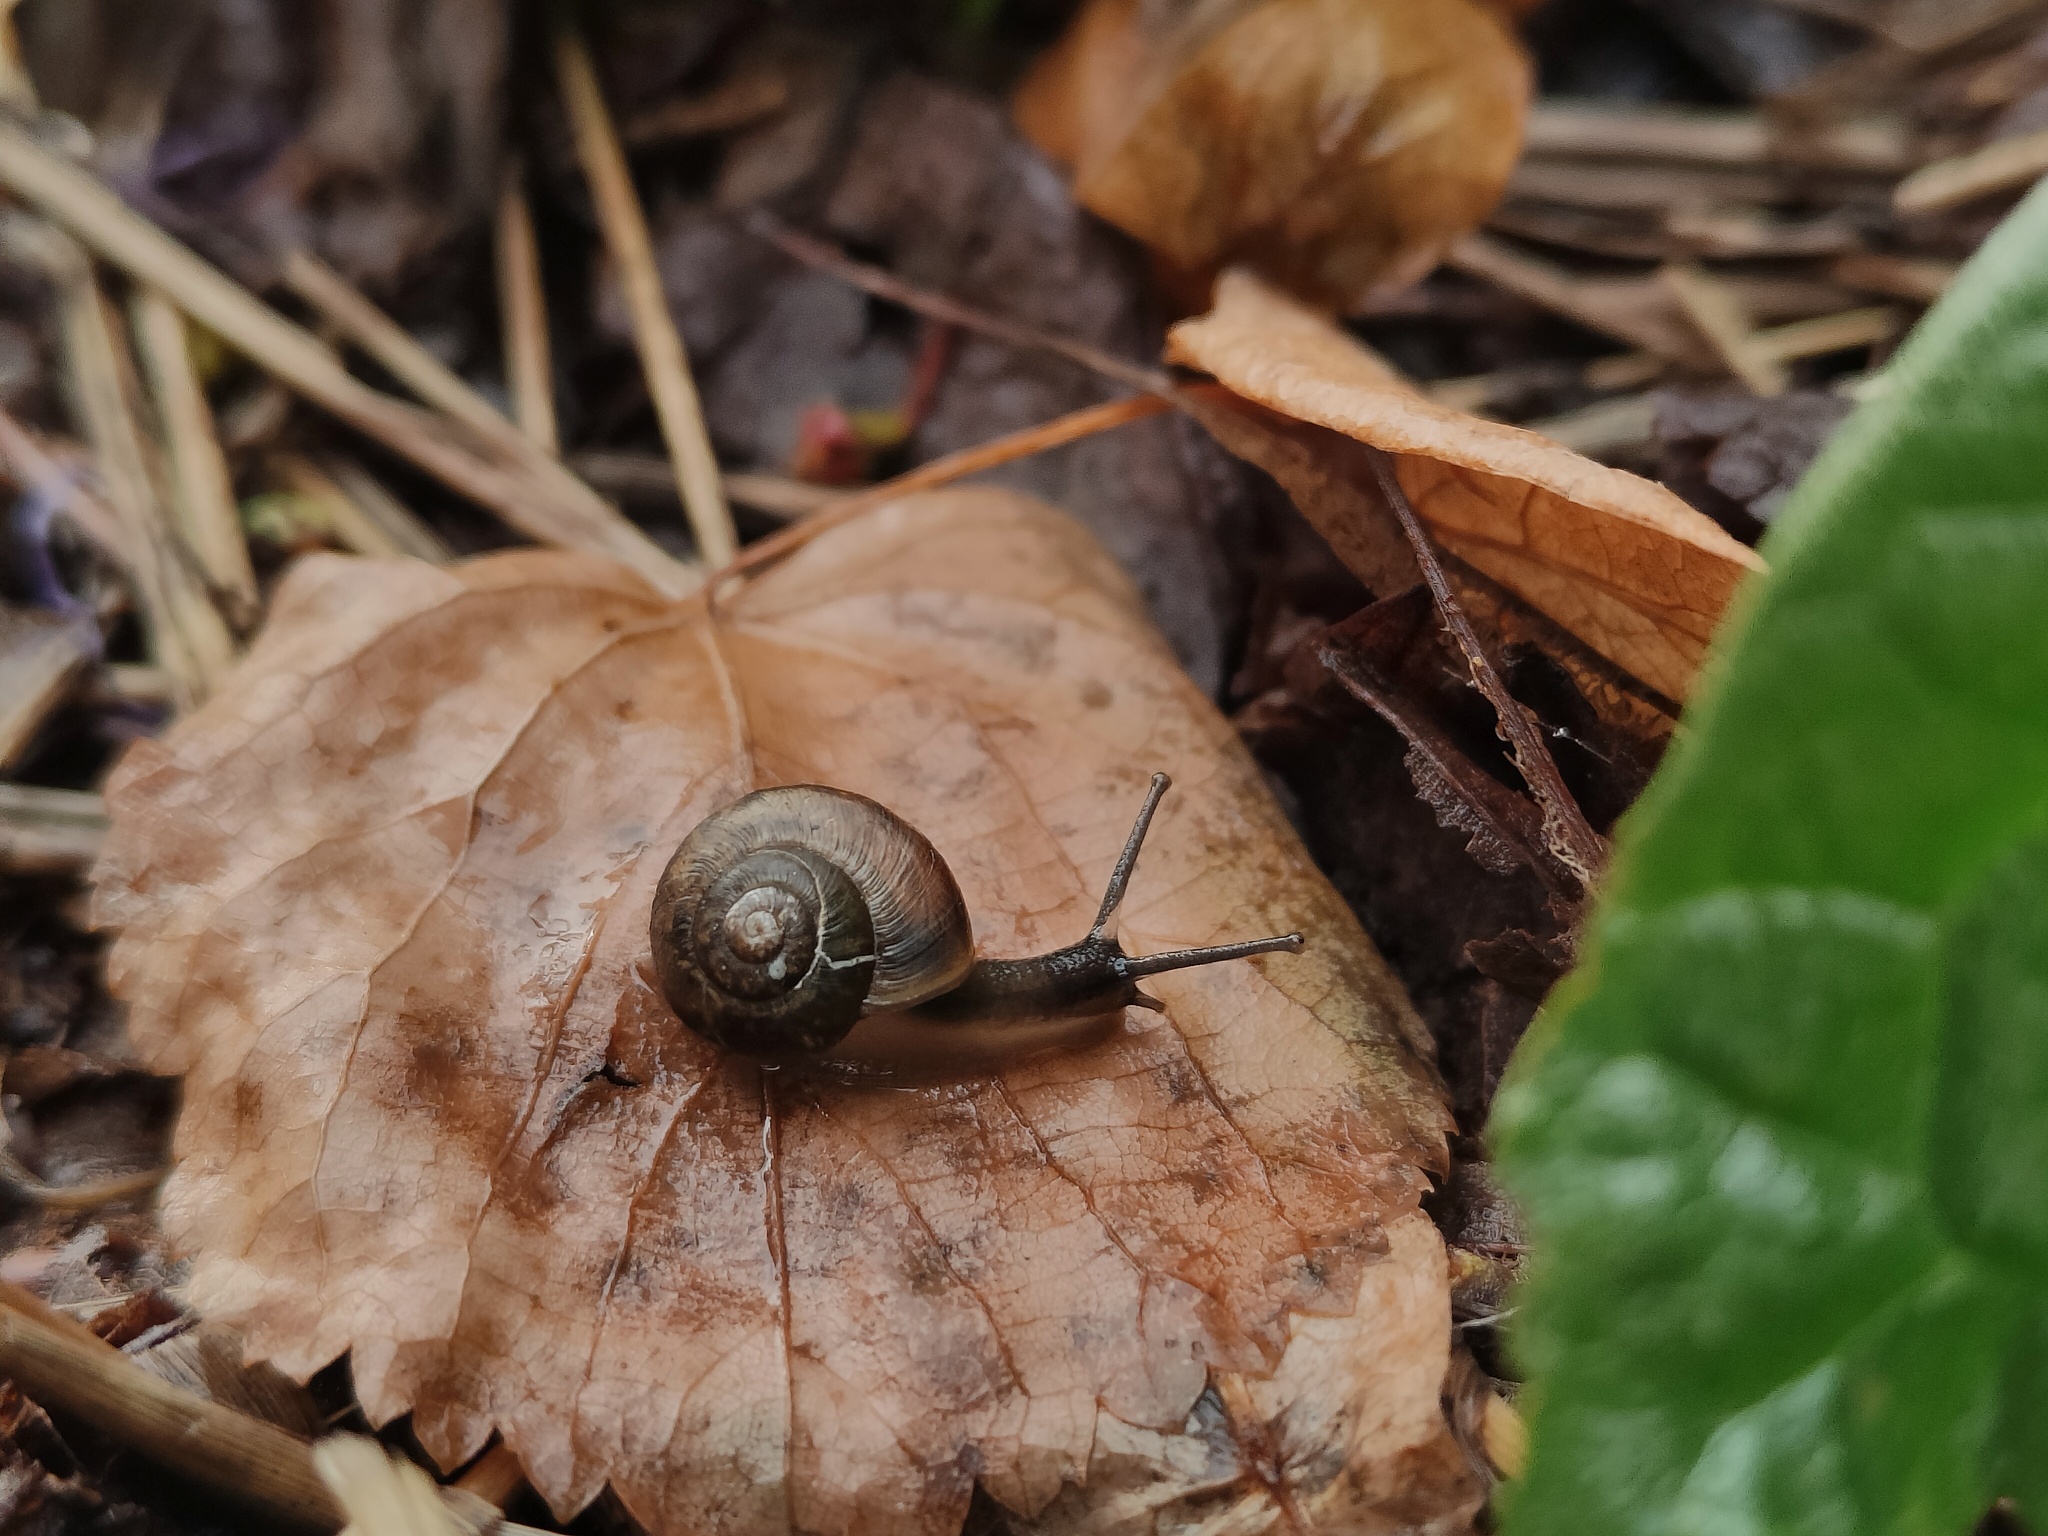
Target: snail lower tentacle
[{"x": 807, "y": 924}]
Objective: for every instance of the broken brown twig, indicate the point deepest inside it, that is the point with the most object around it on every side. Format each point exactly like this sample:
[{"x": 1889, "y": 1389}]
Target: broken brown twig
[{"x": 1565, "y": 828}]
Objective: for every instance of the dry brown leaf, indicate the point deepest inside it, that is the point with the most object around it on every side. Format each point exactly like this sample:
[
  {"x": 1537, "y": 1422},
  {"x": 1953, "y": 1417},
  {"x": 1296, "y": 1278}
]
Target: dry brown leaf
[
  {"x": 384, "y": 901},
  {"x": 1337, "y": 146},
  {"x": 1619, "y": 562}
]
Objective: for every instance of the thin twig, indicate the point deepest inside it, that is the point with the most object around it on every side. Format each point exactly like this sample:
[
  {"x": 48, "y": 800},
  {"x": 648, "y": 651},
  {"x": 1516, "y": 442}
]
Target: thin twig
[
  {"x": 473, "y": 466},
  {"x": 203, "y": 492},
  {"x": 884, "y": 285},
  {"x": 523, "y": 314},
  {"x": 660, "y": 344},
  {"x": 1565, "y": 827},
  {"x": 953, "y": 466}
]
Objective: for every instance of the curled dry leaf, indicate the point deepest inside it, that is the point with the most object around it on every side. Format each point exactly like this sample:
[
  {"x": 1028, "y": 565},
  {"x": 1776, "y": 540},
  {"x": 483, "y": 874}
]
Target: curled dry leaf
[
  {"x": 1338, "y": 146},
  {"x": 385, "y": 902},
  {"x": 1618, "y": 561}
]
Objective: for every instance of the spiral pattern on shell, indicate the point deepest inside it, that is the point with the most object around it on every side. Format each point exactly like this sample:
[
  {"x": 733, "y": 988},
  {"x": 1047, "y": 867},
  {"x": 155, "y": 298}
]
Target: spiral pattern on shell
[{"x": 785, "y": 916}]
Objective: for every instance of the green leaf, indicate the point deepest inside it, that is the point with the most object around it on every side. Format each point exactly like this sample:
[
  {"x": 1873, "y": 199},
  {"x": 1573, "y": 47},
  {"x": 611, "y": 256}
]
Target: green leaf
[{"x": 1783, "y": 1138}]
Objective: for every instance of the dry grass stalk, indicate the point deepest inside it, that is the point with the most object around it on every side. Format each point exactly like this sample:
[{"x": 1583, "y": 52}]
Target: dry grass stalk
[
  {"x": 1624, "y": 370},
  {"x": 1827, "y": 333},
  {"x": 132, "y": 683},
  {"x": 1631, "y": 311},
  {"x": 352, "y": 526},
  {"x": 781, "y": 497},
  {"x": 523, "y": 315},
  {"x": 1631, "y": 188},
  {"x": 1721, "y": 317},
  {"x": 186, "y": 632},
  {"x": 1603, "y": 427},
  {"x": 36, "y": 470},
  {"x": 650, "y": 477},
  {"x": 392, "y": 517},
  {"x": 1900, "y": 277},
  {"x": 49, "y": 831},
  {"x": 660, "y": 345},
  {"x": 1627, "y": 131},
  {"x": 1733, "y": 233},
  {"x": 1056, "y": 433},
  {"x": 39, "y": 666},
  {"x": 362, "y": 322},
  {"x": 2000, "y": 166},
  {"x": 473, "y": 466},
  {"x": 203, "y": 492}
]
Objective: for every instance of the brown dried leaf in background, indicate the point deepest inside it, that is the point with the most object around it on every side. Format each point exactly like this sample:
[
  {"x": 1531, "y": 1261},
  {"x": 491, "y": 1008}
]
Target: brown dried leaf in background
[
  {"x": 1337, "y": 146},
  {"x": 385, "y": 902},
  {"x": 1620, "y": 562}
]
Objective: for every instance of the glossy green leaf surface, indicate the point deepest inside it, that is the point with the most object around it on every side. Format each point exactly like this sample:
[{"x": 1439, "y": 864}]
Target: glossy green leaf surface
[{"x": 1783, "y": 1138}]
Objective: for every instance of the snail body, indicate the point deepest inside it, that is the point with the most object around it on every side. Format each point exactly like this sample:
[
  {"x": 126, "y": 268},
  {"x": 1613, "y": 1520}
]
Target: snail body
[{"x": 805, "y": 923}]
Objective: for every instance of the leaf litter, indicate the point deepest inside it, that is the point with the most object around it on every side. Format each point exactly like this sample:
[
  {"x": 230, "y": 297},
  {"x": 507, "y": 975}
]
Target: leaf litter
[{"x": 1332, "y": 664}]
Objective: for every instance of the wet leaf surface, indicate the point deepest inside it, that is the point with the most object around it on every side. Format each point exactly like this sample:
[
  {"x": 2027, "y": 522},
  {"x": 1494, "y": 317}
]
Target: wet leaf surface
[{"x": 384, "y": 902}]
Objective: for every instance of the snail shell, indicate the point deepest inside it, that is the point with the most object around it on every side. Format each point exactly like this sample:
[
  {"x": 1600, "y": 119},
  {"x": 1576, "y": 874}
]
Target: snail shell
[{"x": 786, "y": 916}]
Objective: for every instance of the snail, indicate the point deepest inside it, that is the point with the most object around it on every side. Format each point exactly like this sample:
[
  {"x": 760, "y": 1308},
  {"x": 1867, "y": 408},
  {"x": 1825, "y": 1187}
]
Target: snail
[{"x": 808, "y": 924}]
